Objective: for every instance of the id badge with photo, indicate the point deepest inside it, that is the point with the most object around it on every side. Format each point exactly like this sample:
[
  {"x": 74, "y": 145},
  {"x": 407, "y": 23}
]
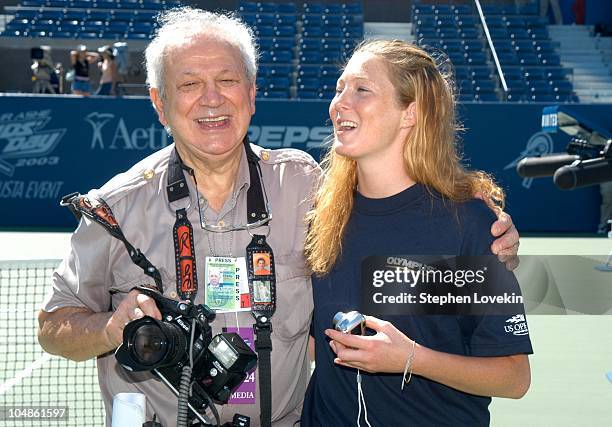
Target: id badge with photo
[{"x": 227, "y": 288}]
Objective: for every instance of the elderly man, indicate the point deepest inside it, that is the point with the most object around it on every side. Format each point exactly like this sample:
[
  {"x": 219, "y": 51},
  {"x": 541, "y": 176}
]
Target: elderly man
[{"x": 201, "y": 69}]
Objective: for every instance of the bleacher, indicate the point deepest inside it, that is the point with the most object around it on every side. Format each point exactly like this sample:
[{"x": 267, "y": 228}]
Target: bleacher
[
  {"x": 302, "y": 47},
  {"x": 86, "y": 19},
  {"x": 527, "y": 56}
]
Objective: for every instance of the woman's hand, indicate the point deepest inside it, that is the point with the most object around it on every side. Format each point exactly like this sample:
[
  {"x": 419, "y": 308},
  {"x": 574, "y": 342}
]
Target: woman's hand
[{"x": 387, "y": 351}]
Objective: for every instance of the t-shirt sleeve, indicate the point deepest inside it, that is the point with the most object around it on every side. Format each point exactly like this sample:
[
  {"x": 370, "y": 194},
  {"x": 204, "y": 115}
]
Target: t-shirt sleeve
[
  {"x": 83, "y": 279},
  {"x": 504, "y": 331}
]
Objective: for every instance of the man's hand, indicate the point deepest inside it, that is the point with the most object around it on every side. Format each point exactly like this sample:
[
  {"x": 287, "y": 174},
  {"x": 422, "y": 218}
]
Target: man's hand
[
  {"x": 134, "y": 306},
  {"x": 507, "y": 243},
  {"x": 78, "y": 333}
]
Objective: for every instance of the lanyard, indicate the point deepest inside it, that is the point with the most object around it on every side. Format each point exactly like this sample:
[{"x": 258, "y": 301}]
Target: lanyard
[{"x": 262, "y": 284}]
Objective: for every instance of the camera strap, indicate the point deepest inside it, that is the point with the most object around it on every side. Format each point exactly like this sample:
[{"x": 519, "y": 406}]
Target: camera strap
[
  {"x": 262, "y": 278},
  {"x": 262, "y": 291},
  {"x": 97, "y": 210}
]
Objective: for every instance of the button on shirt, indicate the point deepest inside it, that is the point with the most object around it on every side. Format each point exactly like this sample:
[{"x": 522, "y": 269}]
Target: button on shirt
[{"x": 97, "y": 272}]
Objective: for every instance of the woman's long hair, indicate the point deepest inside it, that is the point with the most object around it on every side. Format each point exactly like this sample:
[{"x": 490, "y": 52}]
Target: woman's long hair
[{"x": 430, "y": 152}]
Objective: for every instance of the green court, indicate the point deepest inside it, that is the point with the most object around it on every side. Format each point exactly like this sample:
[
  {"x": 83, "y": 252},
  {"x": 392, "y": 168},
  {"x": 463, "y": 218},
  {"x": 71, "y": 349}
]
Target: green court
[{"x": 573, "y": 350}]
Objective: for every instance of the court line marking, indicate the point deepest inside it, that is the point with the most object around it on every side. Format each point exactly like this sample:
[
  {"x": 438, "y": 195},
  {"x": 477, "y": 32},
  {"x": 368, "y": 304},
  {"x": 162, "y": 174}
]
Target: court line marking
[{"x": 26, "y": 372}]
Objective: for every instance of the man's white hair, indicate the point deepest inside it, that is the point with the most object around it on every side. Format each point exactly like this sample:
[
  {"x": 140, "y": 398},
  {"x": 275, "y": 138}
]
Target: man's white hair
[{"x": 179, "y": 27}]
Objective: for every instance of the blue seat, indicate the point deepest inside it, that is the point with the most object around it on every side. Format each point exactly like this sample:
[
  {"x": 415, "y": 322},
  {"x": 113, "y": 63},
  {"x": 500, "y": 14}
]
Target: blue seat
[
  {"x": 82, "y": 4},
  {"x": 130, "y": 4},
  {"x": 461, "y": 73},
  {"x": 32, "y": 3},
  {"x": 561, "y": 86},
  {"x": 63, "y": 34},
  {"x": 541, "y": 97},
  {"x": 286, "y": 19},
  {"x": 529, "y": 59},
  {"x": 333, "y": 9},
  {"x": 308, "y": 94},
  {"x": 138, "y": 36},
  {"x": 307, "y": 71},
  {"x": 476, "y": 58},
  {"x": 141, "y": 27},
  {"x": 275, "y": 94},
  {"x": 279, "y": 70},
  {"x": 117, "y": 26},
  {"x": 534, "y": 74},
  {"x": 480, "y": 73},
  {"x": 329, "y": 70},
  {"x": 282, "y": 56},
  {"x": 310, "y": 57},
  {"x": 72, "y": 26},
  {"x": 113, "y": 34},
  {"x": 60, "y": 4},
  {"x": 538, "y": 86},
  {"x": 313, "y": 32},
  {"x": 250, "y": 7},
  {"x": 278, "y": 82},
  {"x": 37, "y": 34},
  {"x": 352, "y": 8},
  {"x": 14, "y": 33},
  {"x": 98, "y": 15},
  {"x": 265, "y": 19},
  {"x": 26, "y": 14},
  {"x": 557, "y": 73},
  {"x": 105, "y": 4},
  {"x": 93, "y": 26},
  {"x": 466, "y": 22},
  {"x": 268, "y": 7},
  {"x": 152, "y": 5},
  {"x": 549, "y": 59},
  {"x": 74, "y": 15},
  {"x": 466, "y": 97},
  {"x": 335, "y": 20},
  {"x": 19, "y": 25},
  {"x": 144, "y": 16},
  {"x": 122, "y": 15},
  {"x": 469, "y": 32},
  {"x": 265, "y": 31},
  {"x": 462, "y": 9},
  {"x": 465, "y": 86},
  {"x": 314, "y": 8},
  {"x": 486, "y": 97},
  {"x": 538, "y": 33},
  {"x": 307, "y": 83},
  {"x": 88, "y": 35},
  {"x": 260, "y": 81},
  {"x": 498, "y": 33},
  {"x": 284, "y": 31},
  {"x": 47, "y": 26},
  {"x": 55, "y": 15},
  {"x": 287, "y": 8},
  {"x": 483, "y": 86}
]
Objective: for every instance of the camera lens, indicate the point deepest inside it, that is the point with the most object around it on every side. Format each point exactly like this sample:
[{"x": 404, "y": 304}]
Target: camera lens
[
  {"x": 149, "y": 344},
  {"x": 156, "y": 344}
]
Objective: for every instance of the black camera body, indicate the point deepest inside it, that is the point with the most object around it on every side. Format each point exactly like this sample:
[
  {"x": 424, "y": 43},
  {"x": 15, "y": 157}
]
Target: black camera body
[{"x": 219, "y": 364}]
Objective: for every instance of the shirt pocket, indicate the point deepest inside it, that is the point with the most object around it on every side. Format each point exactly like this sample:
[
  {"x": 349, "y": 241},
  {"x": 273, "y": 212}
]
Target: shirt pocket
[
  {"x": 124, "y": 284},
  {"x": 293, "y": 297}
]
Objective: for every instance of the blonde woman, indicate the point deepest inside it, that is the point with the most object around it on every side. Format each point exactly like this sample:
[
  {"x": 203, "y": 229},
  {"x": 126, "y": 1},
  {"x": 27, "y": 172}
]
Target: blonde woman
[{"x": 394, "y": 184}]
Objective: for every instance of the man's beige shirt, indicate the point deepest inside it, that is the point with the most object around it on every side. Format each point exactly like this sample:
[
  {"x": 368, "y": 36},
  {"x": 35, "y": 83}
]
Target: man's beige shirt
[{"x": 97, "y": 271}]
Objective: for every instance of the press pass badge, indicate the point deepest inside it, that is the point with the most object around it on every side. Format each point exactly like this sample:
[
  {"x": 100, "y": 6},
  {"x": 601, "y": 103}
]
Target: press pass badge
[
  {"x": 262, "y": 276},
  {"x": 226, "y": 284}
]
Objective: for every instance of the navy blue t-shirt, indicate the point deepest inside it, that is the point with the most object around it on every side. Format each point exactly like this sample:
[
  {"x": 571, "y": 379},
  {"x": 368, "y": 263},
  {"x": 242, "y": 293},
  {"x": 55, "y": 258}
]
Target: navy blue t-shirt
[{"x": 414, "y": 221}]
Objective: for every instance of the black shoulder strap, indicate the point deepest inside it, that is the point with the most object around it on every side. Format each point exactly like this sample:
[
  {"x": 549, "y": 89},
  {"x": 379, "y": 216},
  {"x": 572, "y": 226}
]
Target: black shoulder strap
[
  {"x": 177, "y": 185},
  {"x": 256, "y": 202},
  {"x": 98, "y": 211},
  {"x": 177, "y": 188}
]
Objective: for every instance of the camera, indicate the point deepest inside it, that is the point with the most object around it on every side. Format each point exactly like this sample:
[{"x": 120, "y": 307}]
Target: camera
[
  {"x": 352, "y": 322},
  {"x": 184, "y": 338},
  {"x": 589, "y": 154}
]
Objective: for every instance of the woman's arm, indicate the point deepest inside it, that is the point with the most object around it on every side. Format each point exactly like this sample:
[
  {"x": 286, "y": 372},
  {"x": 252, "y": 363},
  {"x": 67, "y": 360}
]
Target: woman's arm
[{"x": 389, "y": 349}]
